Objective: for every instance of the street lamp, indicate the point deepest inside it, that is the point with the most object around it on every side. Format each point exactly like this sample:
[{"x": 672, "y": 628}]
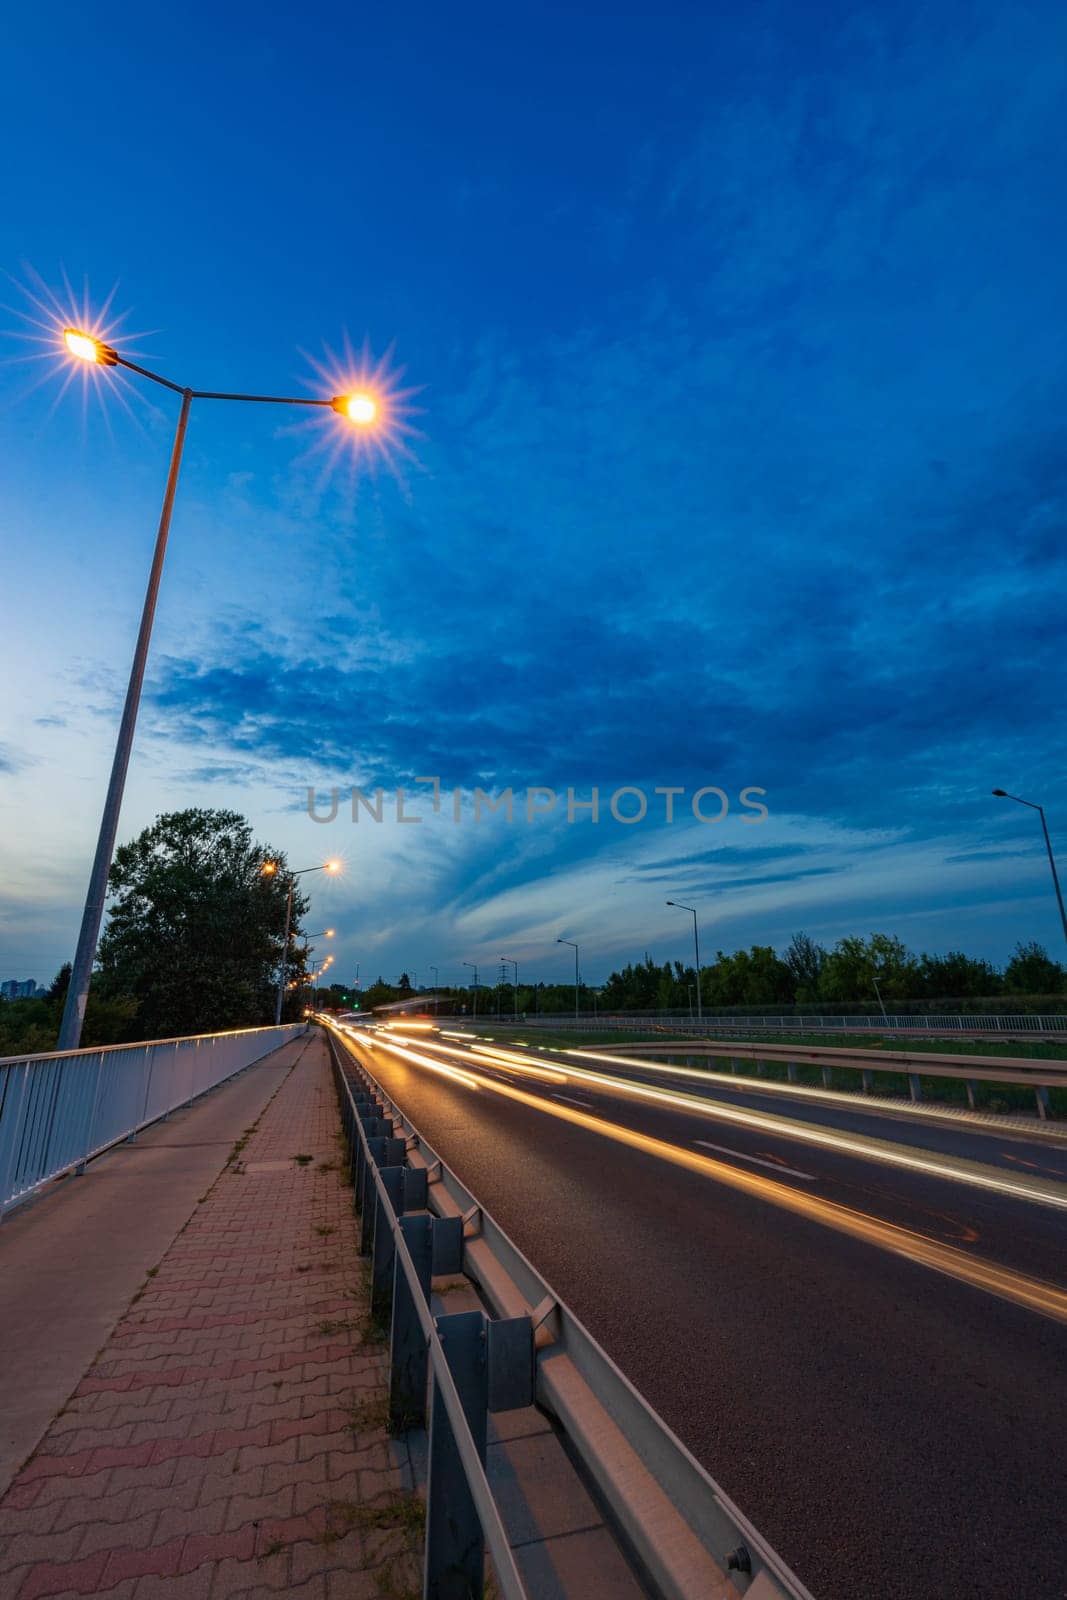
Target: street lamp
[
  {"x": 269, "y": 869},
  {"x": 1002, "y": 794},
  {"x": 358, "y": 410},
  {"x": 696, "y": 941},
  {"x": 436, "y": 986},
  {"x": 324, "y": 933},
  {"x": 577, "y": 981},
  {"x": 510, "y": 961},
  {"x": 474, "y": 1011}
]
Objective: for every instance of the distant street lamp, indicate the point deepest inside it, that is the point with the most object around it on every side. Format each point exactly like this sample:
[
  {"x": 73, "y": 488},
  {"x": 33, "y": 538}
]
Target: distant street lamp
[
  {"x": 360, "y": 410},
  {"x": 1003, "y": 794},
  {"x": 577, "y": 980},
  {"x": 696, "y": 941},
  {"x": 881, "y": 1002},
  {"x": 510, "y": 961},
  {"x": 324, "y": 933},
  {"x": 474, "y": 1011},
  {"x": 269, "y": 869}
]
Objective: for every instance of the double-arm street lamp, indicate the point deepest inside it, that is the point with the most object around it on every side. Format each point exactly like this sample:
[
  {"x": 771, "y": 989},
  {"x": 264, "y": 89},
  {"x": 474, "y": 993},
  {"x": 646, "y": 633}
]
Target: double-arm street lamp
[
  {"x": 577, "y": 980},
  {"x": 1002, "y": 794},
  {"x": 360, "y": 410},
  {"x": 474, "y": 965},
  {"x": 269, "y": 869},
  {"x": 696, "y": 941}
]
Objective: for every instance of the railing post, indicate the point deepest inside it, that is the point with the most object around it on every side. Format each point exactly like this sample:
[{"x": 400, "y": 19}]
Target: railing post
[
  {"x": 1041, "y": 1096},
  {"x": 972, "y": 1092},
  {"x": 407, "y": 1344},
  {"x": 915, "y": 1088},
  {"x": 15, "y": 1136},
  {"x": 79, "y": 1170},
  {"x": 827, "y": 1078},
  {"x": 455, "y": 1550},
  {"x": 792, "y": 1072},
  {"x": 867, "y": 1079}
]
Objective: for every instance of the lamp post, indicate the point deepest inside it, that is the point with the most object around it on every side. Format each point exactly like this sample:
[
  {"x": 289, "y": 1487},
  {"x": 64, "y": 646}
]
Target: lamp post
[
  {"x": 577, "y": 980},
  {"x": 269, "y": 868},
  {"x": 515, "y": 992},
  {"x": 436, "y": 986},
  {"x": 1002, "y": 794},
  {"x": 324, "y": 933},
  {"x": 474, "y": 1011},
  {"x": 696, "y": 941},
  {"x": 881, "y": 1002},
  {"x": 360, "y": 410}
]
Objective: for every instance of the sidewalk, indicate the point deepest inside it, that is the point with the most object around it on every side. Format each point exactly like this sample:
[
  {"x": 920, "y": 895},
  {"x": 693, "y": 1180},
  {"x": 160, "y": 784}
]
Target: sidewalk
[{"x": 227, "y": 1438}]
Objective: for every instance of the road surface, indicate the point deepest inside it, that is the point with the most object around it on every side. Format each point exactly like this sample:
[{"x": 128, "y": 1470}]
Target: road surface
[{"x": 865, "y": 1344}]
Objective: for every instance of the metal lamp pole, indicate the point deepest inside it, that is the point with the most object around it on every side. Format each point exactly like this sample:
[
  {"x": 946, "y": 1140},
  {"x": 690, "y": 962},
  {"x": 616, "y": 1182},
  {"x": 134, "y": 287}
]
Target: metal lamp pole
[
  {"x": 86, "y": 348},
  {"x": 515, "y": 992},
  {"x": 436, "y": 985},
  {"x": 577, "y": 980},
  {"x": 474, "y": 1011},
  {"x": 269, "y": 868},
  {"x": 1003, "y": 794},
  {"x": 696, "y": 942}
]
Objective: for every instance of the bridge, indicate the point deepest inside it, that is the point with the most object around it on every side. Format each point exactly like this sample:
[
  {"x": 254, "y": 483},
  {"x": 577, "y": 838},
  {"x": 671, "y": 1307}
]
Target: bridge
[{"x": 398, "y": 1309}]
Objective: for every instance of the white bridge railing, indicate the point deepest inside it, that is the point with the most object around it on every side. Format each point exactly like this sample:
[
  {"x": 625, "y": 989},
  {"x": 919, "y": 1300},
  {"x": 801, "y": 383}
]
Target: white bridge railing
[{"x": 59, "y": 1110}]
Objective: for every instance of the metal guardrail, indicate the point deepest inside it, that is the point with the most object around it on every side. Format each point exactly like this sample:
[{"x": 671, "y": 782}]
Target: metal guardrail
[
  {"x": 60, "y": 1109},
  {"x": 1040, "y": 1076},
  {"x": 949, "y": 1022},
  {"x": 686, "y": 1536}
]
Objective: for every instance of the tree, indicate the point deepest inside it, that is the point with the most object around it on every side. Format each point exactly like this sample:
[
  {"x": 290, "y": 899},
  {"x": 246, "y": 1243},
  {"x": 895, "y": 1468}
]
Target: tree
[
  {"x": 850, "y": 969},
  {"x": 195, "y": 928},
  {"x": 956, "y": 976},
  {"x": 379, "y": 993},
  {"x": 1032, "y": 970},
  {"x": 805, "y": 960}
]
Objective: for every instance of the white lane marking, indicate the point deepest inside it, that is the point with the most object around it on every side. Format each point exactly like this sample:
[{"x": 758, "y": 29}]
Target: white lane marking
[
  {"x": 587, "y": 1105},
  {"x": 792, "y": 1172}
]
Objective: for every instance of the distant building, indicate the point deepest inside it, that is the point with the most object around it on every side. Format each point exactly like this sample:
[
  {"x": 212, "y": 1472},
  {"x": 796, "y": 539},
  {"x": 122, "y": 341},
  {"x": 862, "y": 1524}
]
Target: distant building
[{"x": 21, "y": 989}]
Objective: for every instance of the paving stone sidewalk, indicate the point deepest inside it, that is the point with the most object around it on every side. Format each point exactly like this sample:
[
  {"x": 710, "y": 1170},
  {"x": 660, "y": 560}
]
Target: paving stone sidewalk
[{"x": 228, "y": 1438}]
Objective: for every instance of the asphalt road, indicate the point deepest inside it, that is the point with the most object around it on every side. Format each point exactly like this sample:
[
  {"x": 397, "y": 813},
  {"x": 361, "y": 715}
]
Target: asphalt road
[{"x": 892, "y": 1429}]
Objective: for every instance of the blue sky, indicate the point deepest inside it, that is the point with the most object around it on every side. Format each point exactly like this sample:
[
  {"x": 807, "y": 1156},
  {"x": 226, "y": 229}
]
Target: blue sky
[{"x": 740, "y": 348}]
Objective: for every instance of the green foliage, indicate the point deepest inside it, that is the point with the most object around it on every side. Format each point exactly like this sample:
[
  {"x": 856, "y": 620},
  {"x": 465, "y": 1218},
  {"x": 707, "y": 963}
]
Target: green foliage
[
  {"x": 194, "y": 932},
  {"x": 1032, "y": 970},
  {"x": 31, "y": 1027}
]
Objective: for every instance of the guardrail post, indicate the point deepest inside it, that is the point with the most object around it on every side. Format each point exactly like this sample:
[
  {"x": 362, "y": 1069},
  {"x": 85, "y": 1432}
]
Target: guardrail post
[
  {"x": 1041, "y": 1096},
  {"x": 384, "y": 1250},
  {"x": 407, "y": 1344},
  {"x": 827, "y": 1078},
  {"x": 374, "y": 1127},
  {"x": 455, "y": 1551},
  {"x": 383, "y": 1152},
  {"x": 867, "y": 1079},
  {"x": 447, "y": 1249},
  {"x": 915, "y": 1088},
  {"x": 972, "y": 1094},
  {"x": 792, "y": 1072}
]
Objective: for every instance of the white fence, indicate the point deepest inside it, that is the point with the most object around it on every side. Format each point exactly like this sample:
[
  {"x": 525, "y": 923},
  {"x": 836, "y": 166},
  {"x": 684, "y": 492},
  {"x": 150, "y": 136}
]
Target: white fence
[{"x": 57, "y": 1111}]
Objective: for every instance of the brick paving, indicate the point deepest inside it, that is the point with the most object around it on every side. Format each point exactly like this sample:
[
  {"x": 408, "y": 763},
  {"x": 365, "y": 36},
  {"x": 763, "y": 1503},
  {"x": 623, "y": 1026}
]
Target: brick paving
[{"x": 227, "y": 1439}]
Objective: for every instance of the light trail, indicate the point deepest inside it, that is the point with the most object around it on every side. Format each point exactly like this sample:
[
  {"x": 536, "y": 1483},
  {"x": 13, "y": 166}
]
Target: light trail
[
  {"x": 954, "y": 1169},
  {"x": 1033, "y": 1294}
]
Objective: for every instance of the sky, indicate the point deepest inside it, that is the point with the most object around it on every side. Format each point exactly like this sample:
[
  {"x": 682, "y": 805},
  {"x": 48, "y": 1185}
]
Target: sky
[{"x": 726, "y": 348}]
